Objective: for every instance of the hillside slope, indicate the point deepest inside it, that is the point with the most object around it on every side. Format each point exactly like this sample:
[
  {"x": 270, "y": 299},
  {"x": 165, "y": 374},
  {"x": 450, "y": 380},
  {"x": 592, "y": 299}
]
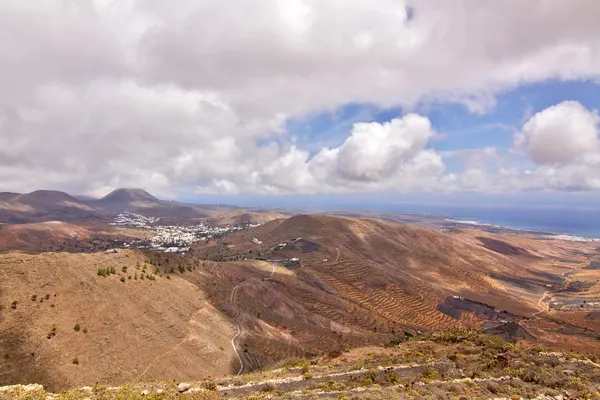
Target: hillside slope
[
  {"x": 44, "y": 205},
  {"x": 455, "y": 364},
  {"x": 300, "y": 287},
  {"x": 56, "y": 310},
  {"x": 365, "y": 281}
]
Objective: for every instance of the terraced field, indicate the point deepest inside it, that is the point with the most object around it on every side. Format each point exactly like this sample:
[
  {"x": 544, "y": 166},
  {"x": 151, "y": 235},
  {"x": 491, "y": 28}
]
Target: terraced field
[{"x": 367, "y": 281}]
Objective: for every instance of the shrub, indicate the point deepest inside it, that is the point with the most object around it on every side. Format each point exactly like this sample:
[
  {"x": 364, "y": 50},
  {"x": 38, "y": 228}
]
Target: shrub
[
  {"x": 181, "y": 269},
  {"x": 52, "y": 332},
  {"x": 122, "y": 279},
  {"x": 369, "y": 378},
  {"x": 85, "y": 330},
  {"x": 34, "y": 297},
  {"x": 13, "y": 305},
  {"x": 75, "y": 361},
  {"x": 209, "y": 385},
  {"x": 392, "y": 378},
  {"x": 76, "y": 328},
  {"x": 429, "y": 373},
  {"x": 124, "y": 268}
]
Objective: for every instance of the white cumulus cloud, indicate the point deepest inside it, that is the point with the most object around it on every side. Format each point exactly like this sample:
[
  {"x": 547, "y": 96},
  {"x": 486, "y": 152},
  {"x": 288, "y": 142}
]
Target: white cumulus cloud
[{"x": 194, "y": 96}]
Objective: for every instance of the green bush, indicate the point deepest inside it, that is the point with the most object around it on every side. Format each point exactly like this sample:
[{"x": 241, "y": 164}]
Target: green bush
[
  {"x": 76, "y": 328},
  {"x": 430, "y": 373},
  {"x": 13, "y": 305},
  {"x": 75, "y": 361}
]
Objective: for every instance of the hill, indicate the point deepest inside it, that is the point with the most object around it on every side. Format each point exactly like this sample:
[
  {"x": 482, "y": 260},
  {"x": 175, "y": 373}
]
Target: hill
[
  {"x": 127, "y": 326},
  {"x": 44, "y": 205},
  {"x": 444, "y": 365},
  {"x": 129, "y": 196},
  {"x": 141, "y": 202},
  {"x": 48, "y": 205},
  {"x": 305, "y": 286}
]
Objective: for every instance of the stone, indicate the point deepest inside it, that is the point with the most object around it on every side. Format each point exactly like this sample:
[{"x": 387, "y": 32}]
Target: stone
[{"x": 182, "y": 387}]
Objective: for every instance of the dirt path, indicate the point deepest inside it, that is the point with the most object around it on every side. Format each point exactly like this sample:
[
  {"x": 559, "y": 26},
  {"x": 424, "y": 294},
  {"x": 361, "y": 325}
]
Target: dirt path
[
  {"x": 300, "y": 382},
  {"x": 546, "y": 307},
  {"x": 238, "y": 312},
  {"x": 239, "y": 328}
]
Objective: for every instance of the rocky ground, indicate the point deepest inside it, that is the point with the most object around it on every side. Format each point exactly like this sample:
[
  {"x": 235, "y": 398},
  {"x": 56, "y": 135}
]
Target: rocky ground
[{"x": 457, "y": 364}]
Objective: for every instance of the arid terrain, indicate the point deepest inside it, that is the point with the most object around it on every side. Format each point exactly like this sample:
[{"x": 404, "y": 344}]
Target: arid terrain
[{"x": 78, "y": 307}]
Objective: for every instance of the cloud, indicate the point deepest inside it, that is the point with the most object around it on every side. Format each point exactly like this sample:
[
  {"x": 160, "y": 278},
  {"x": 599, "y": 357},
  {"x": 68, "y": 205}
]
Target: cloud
[
  {"x": 194, "y": 97},
  {"x": 561, "y": 134}
]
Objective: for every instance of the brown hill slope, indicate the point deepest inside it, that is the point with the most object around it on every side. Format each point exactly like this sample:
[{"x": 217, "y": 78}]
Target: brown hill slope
[
  {"x": 364, "y": 281},
  {"x": 459, "y": 364},
  {"x": 43, "y": 205},
  {"x": 62, "y": 324},
  {"x": 356, "y": 282},
  {"x": 141, "y": 202}
]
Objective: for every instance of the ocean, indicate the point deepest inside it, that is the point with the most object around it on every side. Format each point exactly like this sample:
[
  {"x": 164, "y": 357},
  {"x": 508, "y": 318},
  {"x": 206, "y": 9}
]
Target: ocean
[{"x": 570, "y": 221}]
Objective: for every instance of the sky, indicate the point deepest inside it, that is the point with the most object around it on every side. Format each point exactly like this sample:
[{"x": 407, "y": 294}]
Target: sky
[{"x": 255, "y": 99}]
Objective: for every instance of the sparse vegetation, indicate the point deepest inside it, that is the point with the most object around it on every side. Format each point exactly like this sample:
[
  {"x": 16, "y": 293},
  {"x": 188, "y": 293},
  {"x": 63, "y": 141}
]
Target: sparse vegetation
[
  {"x": 105, "y": 272},
  {"x": 52, "y": 332},
  {"x": 76, "y": 328},
  {"x": 75, "y": 361},
  {"x": 13, "y": 305}
]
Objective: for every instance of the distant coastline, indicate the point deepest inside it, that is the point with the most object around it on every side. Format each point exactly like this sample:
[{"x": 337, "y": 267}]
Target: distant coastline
[{"x": 549, "y": 235}]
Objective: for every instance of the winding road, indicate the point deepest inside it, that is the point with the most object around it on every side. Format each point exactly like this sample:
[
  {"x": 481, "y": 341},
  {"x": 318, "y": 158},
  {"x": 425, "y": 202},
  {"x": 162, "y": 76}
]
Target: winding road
[
  {"x": 238, "y": 312},
  {"x": 544, "y": 308}
]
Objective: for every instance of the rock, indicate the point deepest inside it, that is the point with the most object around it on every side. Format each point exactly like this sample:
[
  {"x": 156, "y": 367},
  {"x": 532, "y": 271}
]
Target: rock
[
  {"x": 145, "y": 392},
  {"x": 159, "y": 391},
  {"x": 182, "y": 387}
]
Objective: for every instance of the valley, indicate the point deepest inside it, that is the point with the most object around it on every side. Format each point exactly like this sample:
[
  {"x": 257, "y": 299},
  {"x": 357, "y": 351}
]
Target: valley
[{"x": 86, "y": 302}]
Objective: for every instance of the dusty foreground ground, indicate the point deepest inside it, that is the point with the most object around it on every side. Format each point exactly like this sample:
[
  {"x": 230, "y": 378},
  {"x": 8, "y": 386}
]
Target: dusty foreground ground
[
  {"x": 62, "y": 324},
  {"x": 458, "y": 364}
]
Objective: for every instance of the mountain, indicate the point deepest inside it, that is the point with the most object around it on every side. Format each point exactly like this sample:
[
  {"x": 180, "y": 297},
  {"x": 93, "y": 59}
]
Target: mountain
[
  {"x": 305, "y": 286},
  {"x": 43, "y": 205},
  {"x": 129, "y": 196},
  {"x": 141, "y": 202},
  {"x": 49, "y": 205}
]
